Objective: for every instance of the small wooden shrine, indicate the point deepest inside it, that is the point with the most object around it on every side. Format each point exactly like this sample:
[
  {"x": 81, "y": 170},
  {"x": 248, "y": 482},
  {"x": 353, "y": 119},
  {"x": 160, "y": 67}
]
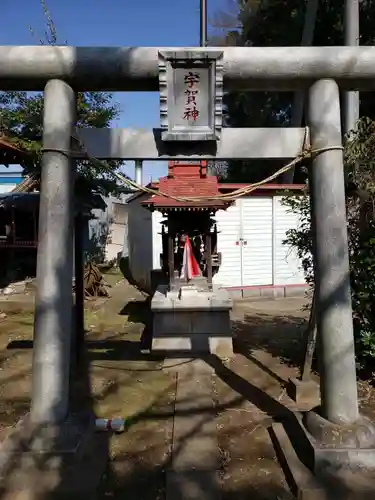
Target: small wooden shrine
[
  {"x": 18, "y": 209},
  {"x": 18, "y": 218},
  {"x": 188, "y": 220},
  {"x": 190, "y": 315}
]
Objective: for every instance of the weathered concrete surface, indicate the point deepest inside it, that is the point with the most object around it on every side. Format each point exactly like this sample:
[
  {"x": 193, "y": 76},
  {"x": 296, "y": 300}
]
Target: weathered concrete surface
[
  {"x": 32, "y": 467},
  {"x": 304, "y": 392},
  {"x": 195, "y": 460},
  {"x": 350, "y": 445},
  {"x": 332, "y": 275},
  {"x": 124, "y": 69},
  {"x": 269, "y": 292},
  {"x": 247, "y": 394},
  {"x": 331, "y": 483},
  {"x": 196, "y": 321},
  {"x": 302, "y": 481},
  {"x": 235, "y": 143}
]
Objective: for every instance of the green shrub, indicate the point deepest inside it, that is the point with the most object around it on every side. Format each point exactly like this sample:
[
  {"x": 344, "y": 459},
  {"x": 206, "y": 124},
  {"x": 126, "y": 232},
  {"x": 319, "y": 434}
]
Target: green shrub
[{"x": 359, "y": 171}]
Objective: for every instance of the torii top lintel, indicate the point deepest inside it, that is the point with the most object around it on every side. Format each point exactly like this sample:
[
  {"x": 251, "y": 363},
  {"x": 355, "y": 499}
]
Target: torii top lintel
[{"x": 137, "y": 68}]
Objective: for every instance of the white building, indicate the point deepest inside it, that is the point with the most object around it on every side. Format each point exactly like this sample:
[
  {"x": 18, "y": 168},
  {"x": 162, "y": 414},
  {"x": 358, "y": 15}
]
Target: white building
[
  {"x": 108, "y": 230},
  {"x": 10, "y": 179},
  {"x": 250, "y": 238}
]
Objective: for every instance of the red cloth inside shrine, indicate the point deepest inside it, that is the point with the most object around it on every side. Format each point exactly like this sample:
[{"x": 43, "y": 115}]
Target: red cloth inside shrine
[{"x": 190, "y": 267}]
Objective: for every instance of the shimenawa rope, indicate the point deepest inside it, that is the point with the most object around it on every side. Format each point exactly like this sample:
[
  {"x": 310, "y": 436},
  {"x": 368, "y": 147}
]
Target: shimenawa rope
[{"x": 306, "y": 152}]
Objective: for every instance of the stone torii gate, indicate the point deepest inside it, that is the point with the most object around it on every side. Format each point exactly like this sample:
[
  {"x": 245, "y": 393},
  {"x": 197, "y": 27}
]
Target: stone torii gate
[{"x": 336, "y": 433}]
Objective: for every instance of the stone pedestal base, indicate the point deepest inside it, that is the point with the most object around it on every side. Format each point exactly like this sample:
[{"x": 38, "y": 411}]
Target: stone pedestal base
[
  {"x": 65, "y": 460},
  {"x": 192, "y": 321},
  {"x": 325, "y": 461},
  {"x": 339, "y": 445},
  {"x": 329, "y": 484},
  {"x": 305, "y": 393}
]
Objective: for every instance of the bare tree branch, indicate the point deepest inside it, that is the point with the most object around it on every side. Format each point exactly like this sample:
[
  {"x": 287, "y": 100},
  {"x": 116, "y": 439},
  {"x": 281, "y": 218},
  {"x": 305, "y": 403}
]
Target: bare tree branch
[{"x": 50, "y": 34}]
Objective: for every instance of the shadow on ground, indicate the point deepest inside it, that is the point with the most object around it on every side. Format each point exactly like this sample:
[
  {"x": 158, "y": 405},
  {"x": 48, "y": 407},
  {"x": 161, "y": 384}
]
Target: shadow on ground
[
  {"x": 281, "y": 336},
  {"x": 139, "y": 473},
  {"x": 133, "y": 487},
  {"x": 138, "y": 468},
  {"x": 132, "y": 475},
  {"x": 136, "y": 474},
  {"x": 139, "y": 311},
  {"x": 55, "y": 471}
]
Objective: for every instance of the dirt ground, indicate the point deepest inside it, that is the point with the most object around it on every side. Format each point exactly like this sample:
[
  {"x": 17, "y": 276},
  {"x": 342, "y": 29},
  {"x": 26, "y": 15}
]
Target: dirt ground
[{"x": 249, "y": 391}]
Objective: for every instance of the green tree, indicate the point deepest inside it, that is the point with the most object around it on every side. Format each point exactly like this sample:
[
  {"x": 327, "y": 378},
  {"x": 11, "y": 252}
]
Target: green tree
[
  {"x": 359, "y": 166},
  {"x": 22, "y": 118},
  {"x": 267, "y": 23}
]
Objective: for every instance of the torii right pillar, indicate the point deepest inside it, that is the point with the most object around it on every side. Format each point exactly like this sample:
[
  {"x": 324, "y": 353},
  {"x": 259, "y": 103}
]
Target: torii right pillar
[{"x": 337, "y": 433}]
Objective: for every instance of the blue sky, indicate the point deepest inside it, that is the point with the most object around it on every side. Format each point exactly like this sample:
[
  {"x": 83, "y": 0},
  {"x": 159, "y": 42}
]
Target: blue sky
[{"x": 112, "y": 23}]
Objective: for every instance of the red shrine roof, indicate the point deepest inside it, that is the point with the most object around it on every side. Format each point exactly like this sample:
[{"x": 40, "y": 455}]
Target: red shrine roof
[
  {"x": 187, "y": 180},
  {"x": 10, "y": 154}
]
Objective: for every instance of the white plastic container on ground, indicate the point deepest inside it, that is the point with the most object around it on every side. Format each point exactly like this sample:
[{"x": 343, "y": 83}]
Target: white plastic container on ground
[{"x": 110, "y": 424}]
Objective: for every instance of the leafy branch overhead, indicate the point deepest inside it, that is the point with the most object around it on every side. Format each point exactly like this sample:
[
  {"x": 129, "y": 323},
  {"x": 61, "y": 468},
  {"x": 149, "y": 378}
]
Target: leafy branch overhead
[
  {"x": 360, "y": 154},
  {"x": 267, "y": 23},
  {"x": 22, "y": 119}
]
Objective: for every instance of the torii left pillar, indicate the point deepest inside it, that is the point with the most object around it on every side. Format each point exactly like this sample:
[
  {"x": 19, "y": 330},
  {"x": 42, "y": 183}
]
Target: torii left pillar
[
  {"x": 53, "y": 305},
  {"x": 61, "y": 439}
]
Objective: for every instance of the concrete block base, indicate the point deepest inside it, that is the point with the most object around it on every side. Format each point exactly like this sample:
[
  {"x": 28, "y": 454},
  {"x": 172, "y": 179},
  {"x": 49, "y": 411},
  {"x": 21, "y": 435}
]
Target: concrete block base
[
  {"x": 338, "y": 446},
  {"x": 269, "y": 292},
  {"x": 199, "y": 343},
  {"x": 300, "y": 479},
  {"x": 331, "y": 483},
  {"x": 68, "y": 460},
  {"x": 305, "y": 393},
  {"x": 195, "y": 322}
]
